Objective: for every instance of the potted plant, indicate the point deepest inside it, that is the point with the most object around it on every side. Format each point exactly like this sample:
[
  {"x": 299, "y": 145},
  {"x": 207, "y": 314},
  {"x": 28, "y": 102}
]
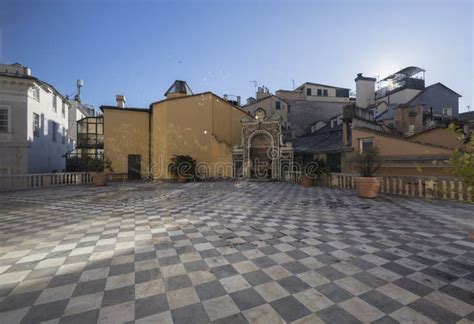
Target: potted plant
[
  {"x": 313, "y": 171},
  {"x": 102, "y": 171},
  {"x": 182, "y": 167},
  {"x": 367, "y": 164}
]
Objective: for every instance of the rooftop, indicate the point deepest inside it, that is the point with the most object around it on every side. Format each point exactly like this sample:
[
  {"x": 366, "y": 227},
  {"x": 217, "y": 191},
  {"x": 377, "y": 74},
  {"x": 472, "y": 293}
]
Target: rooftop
[{"x": 232, "y": 251}]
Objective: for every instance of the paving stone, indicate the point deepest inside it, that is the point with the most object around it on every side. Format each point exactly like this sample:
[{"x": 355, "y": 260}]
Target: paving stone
[{"x": 289, "y": 308}]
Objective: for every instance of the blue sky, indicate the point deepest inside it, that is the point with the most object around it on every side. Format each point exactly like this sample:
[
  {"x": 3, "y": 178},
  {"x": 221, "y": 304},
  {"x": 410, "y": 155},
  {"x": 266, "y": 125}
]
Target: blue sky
[{"x": 138, "y": 48}]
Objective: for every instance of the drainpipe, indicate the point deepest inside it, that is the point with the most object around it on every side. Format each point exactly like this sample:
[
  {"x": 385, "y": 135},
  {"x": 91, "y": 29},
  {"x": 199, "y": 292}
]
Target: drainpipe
[{"x": 149, "y": 142}]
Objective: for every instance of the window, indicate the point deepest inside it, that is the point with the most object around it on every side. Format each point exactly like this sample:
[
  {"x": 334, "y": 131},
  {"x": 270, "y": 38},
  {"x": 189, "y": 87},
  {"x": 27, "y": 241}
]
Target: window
[
  {"x": 365, "y": 144},
  {"x": 320, "y": 92},
  {"x": 308, "y": 91},
  {"x": 411, "y": 129},
  {"x": 64, "y": 136},
  {"x": 333, "y": 123},
  {"x": 63, "y": 109},
  {"x": 5, "y": 119},
  {"x": 35, "y": 92},
  {"x": 55, "y": 131},
  {"x": 288, "y": 108},
  {"x": 36, "y": 125},
  {"x": 448, "y": 111},
  {"x": 277, "y": 105},
  {"x": 325, "y": 92},
  {"x": 55, "y": 99}
]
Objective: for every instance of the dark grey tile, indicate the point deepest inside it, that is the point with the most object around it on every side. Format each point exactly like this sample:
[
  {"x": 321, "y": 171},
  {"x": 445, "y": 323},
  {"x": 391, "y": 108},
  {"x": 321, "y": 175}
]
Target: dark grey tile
[
  {"x": 145, "y": 256},
  {"x": 381, "y": 301},
  {"x": 397, "y": 268},
  {"x": 235, "y": 257},
  {"x": 459, "y": 293},
  {"x": 441, "y": 275},
  {"x": 177, "y": 282},
  {"x": 171, "y": 260},
  {"x": 369, "y": 279},
  {"x": 118, "y": 296},
  {"x": 194, "y": 313},
  {"x": 81, "y": 318},
  {"x": 256, "y": 278},
  {"x": 434, "y": 312},
  {"x": 289, "y": 308},
  {"x": 210, "y": 290},
  {"x": 151, "y": 305},
  {"x": 199, "y": 265},
  {"x": 66, "y": 279},
  {"x": 413, "y": 286},
  {"x": 297, "y": 254},
  {"x": 121, "y": 269},
  {"x": 293, "y": 284},
  {"x": 295, "y": 267},
  {"x": 89, "y": 287},
  {"x": 147, "y": 275},
  {"x": 45, "y": 312},
  {"x": 247, "y": 298},
  {"x": 334, "y": 292},
  {"x": 385, "y": 320},
  {"x": 209, "y": 253},
  {"x": 330, "y": 273},
  {"x": 335, "y": 314},
  {"x": 7, "y": 289},
  {"x": 386, "y": 255},
  {"x": 233, "y": 319},
  {"x": 19, "y": 301},
  {"x": 264, "y": 262},
  {"x": 224, "y": 271}
]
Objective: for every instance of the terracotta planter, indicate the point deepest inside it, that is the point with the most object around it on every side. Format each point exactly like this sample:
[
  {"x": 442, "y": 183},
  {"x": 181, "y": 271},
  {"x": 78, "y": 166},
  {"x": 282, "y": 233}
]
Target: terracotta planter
[
  {"x": 101, "y": 178},
  {"x": 182, "y": 179},
  {"x": 307, "y": 182},
  {"x": 367, "y": 187}
]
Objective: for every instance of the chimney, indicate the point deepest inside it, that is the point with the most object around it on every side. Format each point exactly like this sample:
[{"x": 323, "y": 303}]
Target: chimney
[
  {"x": 238, "y": 101},
  {"x": 263, "y": 92},
  {"x": 365, "y": 91},
  {"x": 250, "y": 100},
  {"x": 120, "y": 101}
]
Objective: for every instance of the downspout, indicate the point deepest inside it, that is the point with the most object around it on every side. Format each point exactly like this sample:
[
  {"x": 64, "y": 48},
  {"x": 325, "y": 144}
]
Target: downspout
[{"x": 150, "y": 175}]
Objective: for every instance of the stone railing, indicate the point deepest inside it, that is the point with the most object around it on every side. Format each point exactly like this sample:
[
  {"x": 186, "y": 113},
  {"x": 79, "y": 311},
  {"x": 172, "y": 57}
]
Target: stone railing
[
  {"x": 27, "y": 181},
  {"x": 449, "y": 188},
  {"x": 293, "y": 176}
]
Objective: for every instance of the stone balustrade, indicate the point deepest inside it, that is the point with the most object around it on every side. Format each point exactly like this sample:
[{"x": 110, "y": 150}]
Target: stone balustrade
[
  {"x": 448, "y": 188},
  {"x": 28, "y": 181}
]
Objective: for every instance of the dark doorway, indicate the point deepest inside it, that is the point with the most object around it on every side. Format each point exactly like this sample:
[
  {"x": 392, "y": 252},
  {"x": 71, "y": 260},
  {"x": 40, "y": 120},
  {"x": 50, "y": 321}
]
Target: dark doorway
[
  {"x": 334, "y": 162},
  {"x": 134, "y": 166}
]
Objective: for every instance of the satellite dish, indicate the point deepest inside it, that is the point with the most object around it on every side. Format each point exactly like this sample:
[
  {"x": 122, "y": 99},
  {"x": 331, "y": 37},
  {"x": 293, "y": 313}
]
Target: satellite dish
[{"x": 80, "y": 83}]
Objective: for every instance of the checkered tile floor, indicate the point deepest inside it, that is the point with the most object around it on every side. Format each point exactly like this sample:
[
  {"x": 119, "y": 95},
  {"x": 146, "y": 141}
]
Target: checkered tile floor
[{"x": 232, "y": 252}]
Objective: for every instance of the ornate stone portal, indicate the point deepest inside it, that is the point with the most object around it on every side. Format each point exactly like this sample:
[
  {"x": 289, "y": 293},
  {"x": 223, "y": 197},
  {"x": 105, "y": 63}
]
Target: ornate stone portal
[{"x": 262, "y": 153}]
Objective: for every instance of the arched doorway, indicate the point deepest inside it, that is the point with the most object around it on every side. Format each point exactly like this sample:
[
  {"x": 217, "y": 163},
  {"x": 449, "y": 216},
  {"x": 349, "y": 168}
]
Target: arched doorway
[{"x": 260, "y": 155}]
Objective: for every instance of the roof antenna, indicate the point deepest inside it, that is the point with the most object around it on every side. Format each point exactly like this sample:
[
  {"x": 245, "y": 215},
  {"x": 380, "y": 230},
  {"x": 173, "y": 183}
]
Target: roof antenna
[
  {"x": 293, "y": 82},
  {"x": 255, "y": 84}
]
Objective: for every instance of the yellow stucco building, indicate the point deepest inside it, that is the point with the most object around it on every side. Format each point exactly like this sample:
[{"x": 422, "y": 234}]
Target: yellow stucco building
[{"x": 141, "y": 142}]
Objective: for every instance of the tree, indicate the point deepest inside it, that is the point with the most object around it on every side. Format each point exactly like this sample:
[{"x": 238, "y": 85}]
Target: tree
[{"x": 462, "y": 159}]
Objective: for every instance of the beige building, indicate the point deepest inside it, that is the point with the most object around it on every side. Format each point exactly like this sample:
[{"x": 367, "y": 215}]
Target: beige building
[
  {"x": 141, "y": 142},
  {"x": 299, "y": 109}
]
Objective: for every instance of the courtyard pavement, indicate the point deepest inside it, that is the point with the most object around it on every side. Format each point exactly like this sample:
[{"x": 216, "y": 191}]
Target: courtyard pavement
[{"x": 232, "y": 252}]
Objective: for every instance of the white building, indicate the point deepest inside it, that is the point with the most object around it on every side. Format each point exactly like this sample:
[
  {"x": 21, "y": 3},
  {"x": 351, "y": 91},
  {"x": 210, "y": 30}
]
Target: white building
[{"x": 33, "y": 123}]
